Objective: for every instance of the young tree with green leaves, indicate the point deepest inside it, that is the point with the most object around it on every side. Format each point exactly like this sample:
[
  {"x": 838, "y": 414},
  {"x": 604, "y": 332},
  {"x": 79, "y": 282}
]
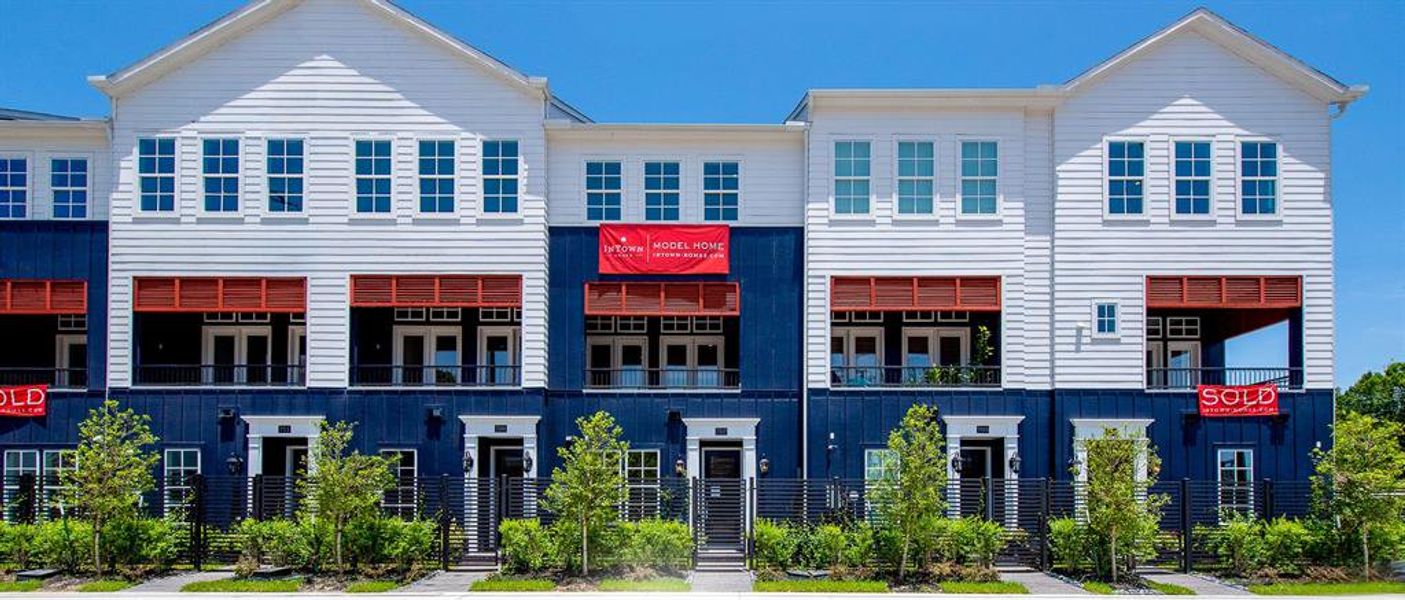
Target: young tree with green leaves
[
  {"x": 912, "y": 500},
  {"x": 1362, "y": 478},
  {"x": 1381, "y": 395},
  {"x": 342, "y": 484},
  {"x": 1121, "y": 469},
  {"x": 113, "y": 468},
  {"x": 588, "y": 488}
]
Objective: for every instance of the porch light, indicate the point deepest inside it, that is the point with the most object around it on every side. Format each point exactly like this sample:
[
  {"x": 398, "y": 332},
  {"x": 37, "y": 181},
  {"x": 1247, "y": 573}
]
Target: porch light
[
  {"x": 1015, "y": 463},
  {"x": 1074, "y": 464},
  {"x": 956, "y": 463},
  {"x": 680, "y": 468},
  {"x": 467, "y": 461},
  {"x": 234, "y": 464},
  {"x": 527, "y": 462},
  {"x": 764, "y": 466}
]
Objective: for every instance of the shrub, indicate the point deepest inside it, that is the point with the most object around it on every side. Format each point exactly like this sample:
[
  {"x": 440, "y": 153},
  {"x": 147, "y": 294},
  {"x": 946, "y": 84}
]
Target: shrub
[
  {"x": 976, "y": 541},
  {"x": 413, "y": 544},
  {"x": 525, "y": 546},
  {"x": 63, "y": 544},
  {"x": 1285, "y": 541},
  {"x": 378, "y": 542},
  {"x": 823, "y": 547},
  {"x": 138, "y": 546},
  {"x": 1068, "y": 544},
  {"x": 304, "y": 544},
  {"x": 859, "y": 546},
  {"x": 1240, "y": 543},
  {"x": 657, "y": 544},
  {"x": 776, "y": 543},
  {"x": 17, "y": 544}
]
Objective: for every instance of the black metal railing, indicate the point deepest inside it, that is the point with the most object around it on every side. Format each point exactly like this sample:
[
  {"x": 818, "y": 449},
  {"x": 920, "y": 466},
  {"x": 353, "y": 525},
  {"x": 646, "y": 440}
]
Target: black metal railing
[
  {"x": 663, "y": 378},
  {"x": 55, "y": 378},
  {"x": 436, "y": 376},
  {"x": 1188, "y": 379},
  {"x": 251, "y": 375},
  {"x": 936, "y": 376}
]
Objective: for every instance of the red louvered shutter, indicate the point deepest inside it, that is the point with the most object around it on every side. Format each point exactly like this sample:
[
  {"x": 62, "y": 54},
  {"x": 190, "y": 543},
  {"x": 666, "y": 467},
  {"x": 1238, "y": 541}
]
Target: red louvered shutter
[
  {"x": 893, "y": 294},
  {"x": 646, "y": 299},
  {"x": 1224, "y": 291},
  {"x": 220, "y": 294}
]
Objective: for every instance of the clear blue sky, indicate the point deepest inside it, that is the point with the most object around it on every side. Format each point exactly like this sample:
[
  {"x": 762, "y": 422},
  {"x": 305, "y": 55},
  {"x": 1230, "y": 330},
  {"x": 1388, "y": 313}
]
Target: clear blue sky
[{"x": 709, "y": 61}]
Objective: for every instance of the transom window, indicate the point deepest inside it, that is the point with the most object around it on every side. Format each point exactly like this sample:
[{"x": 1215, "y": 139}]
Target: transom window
[
  {"x": 156, "y": 169},
  {"x": 1105, "y": 318},
  {"x": 1183, "y": 327},
  {"x": 602, "y": 190},
  {"x": 14, "y": 187},
  {"x": 661, "y": 185},
  {"x": 1258, "y": 178},
  {"x": 285, "y": 176},
  {"x": 916, "y": 177},
  {"x": 436, "y": 176},
  {"x": 880, "y": 464},
  {"x": 373, "y": 176},
  {"x": 221, "y": 169},
  {"x": 1236, "y": 476},
  {"x": 500, "y": 176},
  {"x": 179, "y": 466},
  {"x": 721, "y": 185},
  {"x": 69, "y": 181},
  {"x": 1126, "y": 173},
  {"x": 1193, "y": 164},
  {"x": 979, "y": 169},
  {"x": 851, "y": 177}
]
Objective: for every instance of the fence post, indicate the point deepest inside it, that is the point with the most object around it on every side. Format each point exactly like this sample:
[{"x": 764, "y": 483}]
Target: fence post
[
  {"x": 1269, "y": 508},
  {"x": 197, "y": 522},
  {"x": 444, "y": 522},
  {"x": 1045, "y": 491},
  {"x": 987, "y": 499},
  {"x": 1186, "y": 542}
]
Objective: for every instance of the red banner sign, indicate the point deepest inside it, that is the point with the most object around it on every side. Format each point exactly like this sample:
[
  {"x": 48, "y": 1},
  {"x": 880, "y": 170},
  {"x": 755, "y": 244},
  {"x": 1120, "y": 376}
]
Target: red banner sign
[
  {"x": 1238, "y": 400},
  {"x": 24, "y": 401},
  {"x": 665, "y": 249}
]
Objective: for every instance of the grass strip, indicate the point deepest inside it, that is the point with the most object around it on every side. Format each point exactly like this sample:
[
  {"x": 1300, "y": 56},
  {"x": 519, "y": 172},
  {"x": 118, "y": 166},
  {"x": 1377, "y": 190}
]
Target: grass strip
[
  {"x": 1354, "y": 588},
  {"x": 1170, "y": 589},
  {"x": 1098, "y": 587},
  {"x": 822, "y": 586},
  {"x": 501, "y": 584},
  {"x": 240, "y": 586},
  {"x": 20, "y": 586},
  {"x": 653, "y": 584},
  {"x": 371, "y": 587},
  {"x": 985, "y": 587},
  {"x": 105, "y": 585}
]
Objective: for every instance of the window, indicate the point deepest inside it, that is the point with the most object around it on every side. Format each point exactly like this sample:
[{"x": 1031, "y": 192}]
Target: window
[
  {"x": 599, "y": 324},
  {"x": 617, "y": 361},
  {"x": 675, "y": 324},
  {"x": 409, "y": 314},
  {"x": 73, "y": 322},
  {"x": 632, "y": 324},
  {"x": 1192, "y": 184},
  {"x": 373, "y": 176},
  {"x": 953, "y": 316},
  {"x": 851, "y": 173},
  {"x": 69, "y": 181},
  {"x": 221, "y": 169},
  {"x": 498, "y": 350},
  {"x": 401, "y": 499},
  {"x": 156, "y": 169},
  {"x": 1236, "y": 477},
  {"x": 18, "y": 463},
  {"x": 427, "y": 355},
  {"x": 856, "y": 356},
  {"x": 1126, "y": 166},
  {"x": 285, "y": 171},
  {"x": 436, "y": 176},
  {"x": 916, "y": 177},
  {"x": 499, "y": 315},
  {"x": 707, "y": 324},
  {"x": 1105, "y": 319},
  {"x": 500, "y": 176},
  {"x": 14, "y": 187},
  {"x": 641, "y": 472},
  {"x": 919, "y": 316},
  {"x": 602, "y": 190},
  {"x": 721, "y": 185},
  {"x": 1183, "y": 327},
  {"x": 1153, "y": 327},
  {"x": 979, "y": 169},
  {"x": 445, "y": 314},
  {"x": 691, "y": 362},
  {"x": 661, "y": 185},
  {"x": 880, "y": 464},
  {"x": 236, "y": 354},
  {"x": 1258, "y": 178},
  {"x": 925, "y": 347},
  {"x": 179, "y": 466}
]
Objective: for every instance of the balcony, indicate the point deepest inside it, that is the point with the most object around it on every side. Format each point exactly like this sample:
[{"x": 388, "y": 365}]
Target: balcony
[
  {"x": 44, "y": 349},
  {"x": 55, "y": 378},
  {"x": 1187, "y": 379},
  {"x": 436, "y": 376},
  {"x": 221, "y": 375},
  {"x": 220, "y": 349},
  {"x": 956, "y": 376},
  {"x": 436, "y": 347},
  {"x": 710, "y": 378}
]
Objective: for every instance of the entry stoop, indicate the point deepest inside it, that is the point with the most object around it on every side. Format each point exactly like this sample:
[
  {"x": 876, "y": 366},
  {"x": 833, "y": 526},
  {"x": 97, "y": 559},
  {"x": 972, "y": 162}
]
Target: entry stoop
[{"x": 720, "y": 561}]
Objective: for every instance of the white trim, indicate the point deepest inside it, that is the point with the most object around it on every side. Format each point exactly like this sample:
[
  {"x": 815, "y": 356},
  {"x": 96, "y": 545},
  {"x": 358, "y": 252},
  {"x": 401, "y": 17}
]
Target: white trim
[
  {"x": 1172, "y": 178},
  {"x": 834, "y": 214},
  {"x": 372, "y": 216},
  {"x": 201, "y": 210},
  {"x": 622, "y": 190},
  {"x": 999, "y": 179},
  {"x": 1116, "y": 333},
  {"x": 62, "y": 343},
  {"x": 262, "y": 426},
  {"x": 642, "y": 164},
  {"x": 242, "y": 358},
  {"x": 455, "y": 179},
  {"x": 1277, "y": 179},
  {"x": 521, "y": 179},
  {"x": 1005, "y": 428},
  {"x": 90, "y": 161},
  {"x": 740, "y": 192},
  {"x": 1106, "y": 179},
  {"x": 934, "y": 178},
  {"x": 513, "y": 426}
]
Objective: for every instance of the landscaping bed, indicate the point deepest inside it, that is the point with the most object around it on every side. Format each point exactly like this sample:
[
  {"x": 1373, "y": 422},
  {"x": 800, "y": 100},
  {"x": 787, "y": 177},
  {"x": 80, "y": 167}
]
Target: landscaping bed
[{"x": 509, "y": 583}]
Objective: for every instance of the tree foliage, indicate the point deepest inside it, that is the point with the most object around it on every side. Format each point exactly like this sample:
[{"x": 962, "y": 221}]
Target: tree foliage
[
  {"x": 912, "y": 500},
  {"x": 587, "y": 489},
  {"x": 341, "y": 484},
  {"x": 1121, "y": 513},
  {"x": 1380, "y": 395},
  {"x": 1362, "y": 477},
  {"x": 113, "y": 469}
]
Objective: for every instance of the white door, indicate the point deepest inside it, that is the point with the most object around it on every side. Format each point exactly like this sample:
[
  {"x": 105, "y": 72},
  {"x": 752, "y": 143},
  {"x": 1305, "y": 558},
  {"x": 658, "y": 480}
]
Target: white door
[
  {"x": 236, "y": 355},
  {"x": 427, "y": 356},
  {"x": 497, "y": 356},
  {"x": 1183, "y": 364},
  {"x": 297, "y": 354},
  {"x": 71, "y": 360}
]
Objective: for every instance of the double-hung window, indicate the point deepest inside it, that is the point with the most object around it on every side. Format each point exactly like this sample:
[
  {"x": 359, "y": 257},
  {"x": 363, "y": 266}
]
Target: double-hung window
[
  {"x": 179, "y": 466},
  {"x": 436, "y": 176},
  {"x": 56, "y": 463},
  {"x": 401, "y": 499},
  {"x": 373, "y": 176},
  {"x": 156, "y": 174},
  {"x": 602, "y": 190},
  {"x": 661, "y": 185},
  {"x": 1192, "y": 185},
  {"x": 641, "y": 473},
  {"x": 1105, "y": 319},
  {"x": 1126, "y": 178},
  {"x": 851, "y": 177},
  {"x": 18, "y": 463},
  {"x": 500, "y": 176},
  {"x": 980, "y": 165},
  {"x": 68, "y": 179},
  {"x": 14, "y": 187},
  {"x": 220, "y": 166},
  {"x": 916, "y": 178},
  {"x": 1258, "y": 178},
  {"x": 879, "y": 464},
  {"x": 285, "y": 176},
  {"x": 1236, "y": 479},
  {"x": 721, "y": 191}
]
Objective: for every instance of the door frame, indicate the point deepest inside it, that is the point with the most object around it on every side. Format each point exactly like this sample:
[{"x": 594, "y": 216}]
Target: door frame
[
  {"x": 427, "y": 366},
  {"x": 241, "y": 334},
  {"x": 493, "y": 458},
  {"x": 1000, "y": 427},
  {"x": 62, "y": 342}
]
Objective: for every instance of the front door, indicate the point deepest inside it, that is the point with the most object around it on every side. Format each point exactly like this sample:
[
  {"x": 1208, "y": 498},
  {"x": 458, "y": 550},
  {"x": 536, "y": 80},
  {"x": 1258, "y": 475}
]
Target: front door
[
  {"x": 722, "y": 501},
  {"x": 979, "y": 482}
]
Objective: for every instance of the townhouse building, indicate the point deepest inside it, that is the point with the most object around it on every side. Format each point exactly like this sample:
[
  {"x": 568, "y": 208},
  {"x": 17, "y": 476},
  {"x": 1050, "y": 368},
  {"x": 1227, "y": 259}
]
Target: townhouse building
[{"x": 330, "y": 210}]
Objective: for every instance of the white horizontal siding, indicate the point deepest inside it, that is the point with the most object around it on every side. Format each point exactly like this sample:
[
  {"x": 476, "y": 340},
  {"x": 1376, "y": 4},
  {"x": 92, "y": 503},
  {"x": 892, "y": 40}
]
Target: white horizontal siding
[{"x": 40, "y": 149}]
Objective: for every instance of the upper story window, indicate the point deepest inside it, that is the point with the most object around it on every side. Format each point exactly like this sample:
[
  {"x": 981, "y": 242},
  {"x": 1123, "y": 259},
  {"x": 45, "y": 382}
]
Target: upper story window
[
  {"x": 1105, "y": 319},
  {"x": 14, "y": 187},
  {"x": 221, "y": 169},
  {"x": 69, "y": 181},
  {"x": 373, "y": 176},
  {"x": 851, "y": 178},
  {"x": 1126, "y": 174},
  {"x": 916, "y": 177},
  {"x": 285, "y": 176},
  {"x": 602, "y": 190},
  {"x": 1192, "y": 178},
  {"x": 436, "y": 176},
  {"x": 1258, "y": 178},
  {"x": 156, "y": 169},
  {"x": 500, "y": 175},
  {"x": 979, "y": 170},
  {"x": 721, "y": 185},
  {"x": 661, "y": 185}
]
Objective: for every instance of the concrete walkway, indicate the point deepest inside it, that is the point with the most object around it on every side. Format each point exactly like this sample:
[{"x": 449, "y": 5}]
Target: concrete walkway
[
  {"x": 721, "y": 581},
  {"x": 446, "y": 581},
  {"x": 1038, "y": 582},
  {"x": 1202, "y": 586},
  {"x": 174, "y": 583}
]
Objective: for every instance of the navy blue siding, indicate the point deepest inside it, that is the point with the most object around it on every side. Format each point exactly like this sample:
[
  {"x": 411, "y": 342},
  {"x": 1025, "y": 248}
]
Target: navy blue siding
[{"x": 64, "y": 250}]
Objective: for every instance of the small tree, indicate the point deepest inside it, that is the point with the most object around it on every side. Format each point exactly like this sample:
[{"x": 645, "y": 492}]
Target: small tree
[
  {"x": 342, "y": 485},
  {"x": 1362, "y": 477},
  {"x": 1119, "y": 509},
  {"x": 912, "y": 500},
  {"x": 112, "y": 468},
  {"x": 1380, "y": 395},
  {"x": 587, "y": 489}
]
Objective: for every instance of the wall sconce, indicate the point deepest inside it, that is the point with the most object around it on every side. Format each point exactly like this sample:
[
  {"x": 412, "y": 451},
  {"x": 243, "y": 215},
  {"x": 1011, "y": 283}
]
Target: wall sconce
[
  {"x": 526, "y": 462},
  {"x": 234, "y": 465},
  {"x": 764, "y": 466},
  {"x": 956, "y": 461},
  {"x": 467, "y": 461},
  {"x": 680, "y": 468},
  {"x": 226, "y": 413},
  {"x": 1015, "y": 463}
]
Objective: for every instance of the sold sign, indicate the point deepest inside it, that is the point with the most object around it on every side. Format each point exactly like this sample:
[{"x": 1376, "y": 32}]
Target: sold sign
[
  {"x": 1238, "y": 400},
  {"x": 24, "y": 401}
]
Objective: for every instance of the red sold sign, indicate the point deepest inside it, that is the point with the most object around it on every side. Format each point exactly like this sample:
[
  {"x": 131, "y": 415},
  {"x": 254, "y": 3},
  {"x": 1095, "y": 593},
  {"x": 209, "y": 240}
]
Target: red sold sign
[
  {"x": 664, "y": 249},
  {"x": 24, "y": 401},
  {"x": 1238, "y": 400}
]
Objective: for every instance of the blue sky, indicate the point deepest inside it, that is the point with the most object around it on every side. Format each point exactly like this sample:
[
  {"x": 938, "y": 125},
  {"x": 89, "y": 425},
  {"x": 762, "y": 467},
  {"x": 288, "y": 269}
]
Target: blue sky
[{"x": 707, "y": 61}]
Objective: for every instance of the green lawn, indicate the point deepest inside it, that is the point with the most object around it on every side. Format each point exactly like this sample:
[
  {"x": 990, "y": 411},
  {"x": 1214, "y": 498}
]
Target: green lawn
[
  {"x": 656, "y": 584},
  {"x": 821, "y": 586},
  {"x": 20, "y": 586},
  {"x": 1329, "y": 589},
  {"x": 1097, "y": 587},
  {"x": 1170, "y": 589},
  {"x": 503, "y": 584},
  {"x": 105, "y": 585},
  {"x": 233, "y": 586},
  {"x": 990, "y": 587},
  {"x": 371, "y": 587}
]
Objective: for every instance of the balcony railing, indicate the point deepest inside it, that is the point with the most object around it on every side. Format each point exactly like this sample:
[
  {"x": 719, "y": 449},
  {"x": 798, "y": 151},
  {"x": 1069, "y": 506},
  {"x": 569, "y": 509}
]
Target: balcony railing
[
  {"x": 1188, "y": 379},
  {"x": 939, "y": 376},
  {"x": 431, "y": 376},
  {"x": 55, "y": 378},
  {"x": 665, "y": 378},
  {"x": 221, "y": 375}
]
